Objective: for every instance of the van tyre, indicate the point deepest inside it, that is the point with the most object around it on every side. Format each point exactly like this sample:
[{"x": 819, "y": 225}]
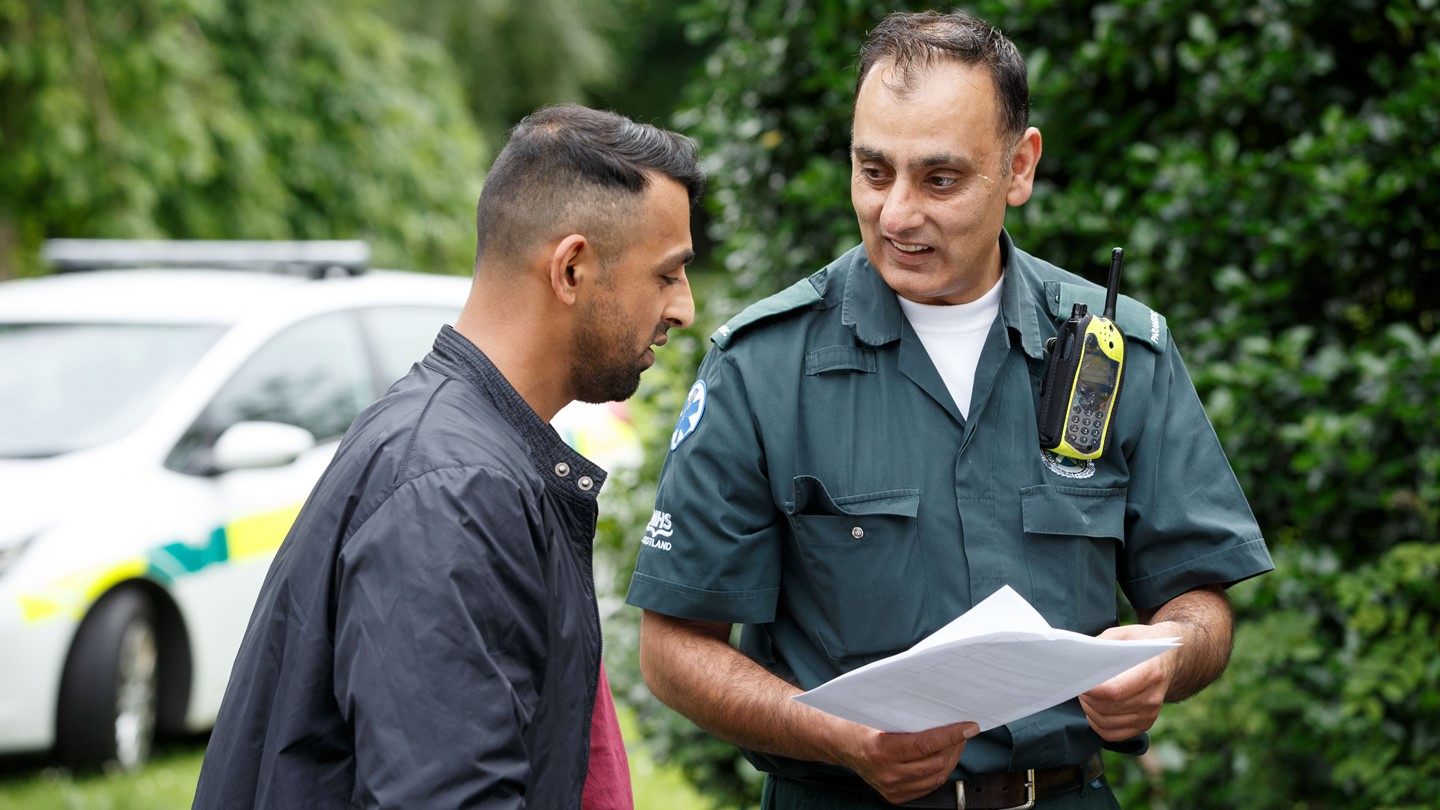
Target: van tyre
[{"x": 108, "y": 694}]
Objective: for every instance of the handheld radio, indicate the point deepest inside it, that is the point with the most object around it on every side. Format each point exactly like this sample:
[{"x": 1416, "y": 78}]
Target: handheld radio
[{"x": 1082, "y": 381}]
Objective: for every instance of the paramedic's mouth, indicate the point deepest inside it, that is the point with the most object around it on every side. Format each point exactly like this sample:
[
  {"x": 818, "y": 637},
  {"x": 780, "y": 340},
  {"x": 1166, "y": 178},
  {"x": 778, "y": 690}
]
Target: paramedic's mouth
[{"x": 908, "y": 249}]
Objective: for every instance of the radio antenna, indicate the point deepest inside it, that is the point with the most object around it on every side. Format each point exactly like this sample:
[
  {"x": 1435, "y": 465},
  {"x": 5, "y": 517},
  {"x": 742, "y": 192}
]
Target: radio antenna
[{"x": 1117, "y": 258}]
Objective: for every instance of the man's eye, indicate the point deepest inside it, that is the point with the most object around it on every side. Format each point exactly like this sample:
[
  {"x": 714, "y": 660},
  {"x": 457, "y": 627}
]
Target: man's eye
[
  {"x": 944, "y": 182},
  {"x": 872, "y": 174}
]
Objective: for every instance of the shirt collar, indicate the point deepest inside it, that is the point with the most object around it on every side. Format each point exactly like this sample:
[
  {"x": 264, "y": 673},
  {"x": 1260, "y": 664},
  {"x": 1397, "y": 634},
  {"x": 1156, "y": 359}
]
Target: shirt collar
[
  {"x": 1023, "y": 300},
  {"x": 870, "y": 309}
]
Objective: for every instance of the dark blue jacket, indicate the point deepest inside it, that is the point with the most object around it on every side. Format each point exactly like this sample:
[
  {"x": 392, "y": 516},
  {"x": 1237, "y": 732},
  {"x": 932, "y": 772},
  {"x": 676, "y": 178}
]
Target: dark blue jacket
[{"x": 427, "y": 635}]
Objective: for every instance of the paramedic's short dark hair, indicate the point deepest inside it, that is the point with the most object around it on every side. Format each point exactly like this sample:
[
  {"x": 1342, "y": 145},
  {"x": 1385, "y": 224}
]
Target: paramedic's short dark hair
[{"x": 914, "y": 41}]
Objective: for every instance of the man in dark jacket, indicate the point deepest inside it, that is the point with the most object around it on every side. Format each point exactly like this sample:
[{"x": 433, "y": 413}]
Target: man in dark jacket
[{"x": 427, "y": 635}]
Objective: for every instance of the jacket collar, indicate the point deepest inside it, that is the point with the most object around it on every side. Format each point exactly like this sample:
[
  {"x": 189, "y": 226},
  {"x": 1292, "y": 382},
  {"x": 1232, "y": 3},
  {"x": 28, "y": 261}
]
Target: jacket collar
[{"x": 547, "y": 450}]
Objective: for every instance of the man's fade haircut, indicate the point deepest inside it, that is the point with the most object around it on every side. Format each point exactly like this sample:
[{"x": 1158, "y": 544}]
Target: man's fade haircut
[
  {"x": 572, "y": 169},
  {"x": 913, "y": 41}
]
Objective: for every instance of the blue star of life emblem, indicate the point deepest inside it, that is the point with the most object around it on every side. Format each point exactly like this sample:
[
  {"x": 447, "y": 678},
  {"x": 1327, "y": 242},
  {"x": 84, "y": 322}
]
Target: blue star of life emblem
[{"x": 690, "y": 414}]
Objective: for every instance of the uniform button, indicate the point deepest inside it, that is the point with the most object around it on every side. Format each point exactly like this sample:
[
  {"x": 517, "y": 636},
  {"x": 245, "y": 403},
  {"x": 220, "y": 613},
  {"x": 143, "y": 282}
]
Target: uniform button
[
  {"x": 585, "y": 482},
  {"x": 857, "y": 532},
  {"x": 562, "y": 469}
]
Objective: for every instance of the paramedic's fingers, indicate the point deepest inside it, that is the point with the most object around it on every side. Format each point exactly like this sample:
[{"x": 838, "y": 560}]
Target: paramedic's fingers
[
  {"x": 903, "y": 767},
  {"x": 1129, "y": 703}
]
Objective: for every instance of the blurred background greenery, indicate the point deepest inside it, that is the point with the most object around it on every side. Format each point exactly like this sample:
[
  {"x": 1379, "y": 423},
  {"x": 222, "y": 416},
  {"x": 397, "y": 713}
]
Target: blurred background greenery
[{"x": 1270, "y": 166}]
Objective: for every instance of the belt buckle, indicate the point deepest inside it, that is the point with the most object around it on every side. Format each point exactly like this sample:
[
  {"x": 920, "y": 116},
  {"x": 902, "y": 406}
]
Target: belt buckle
[{"x": 1029, "y": 794}]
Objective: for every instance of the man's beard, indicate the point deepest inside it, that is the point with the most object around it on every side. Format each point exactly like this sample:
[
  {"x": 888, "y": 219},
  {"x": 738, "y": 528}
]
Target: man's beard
[{"x": 604, "y": 366}]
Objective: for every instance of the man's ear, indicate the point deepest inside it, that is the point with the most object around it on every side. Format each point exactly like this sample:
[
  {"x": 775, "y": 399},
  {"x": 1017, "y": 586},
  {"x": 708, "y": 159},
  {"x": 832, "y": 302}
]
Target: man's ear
[
  {"x": 1022, "y": 167},
  {"x": 573, "y": 263}
]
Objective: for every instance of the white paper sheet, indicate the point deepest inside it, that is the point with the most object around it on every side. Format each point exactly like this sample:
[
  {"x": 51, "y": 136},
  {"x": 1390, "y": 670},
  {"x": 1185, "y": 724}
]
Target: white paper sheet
[{"x": 998, "y": 662}]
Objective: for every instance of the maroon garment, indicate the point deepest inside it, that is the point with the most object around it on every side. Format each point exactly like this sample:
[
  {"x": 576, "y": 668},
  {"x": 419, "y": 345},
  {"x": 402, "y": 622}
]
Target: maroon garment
[{"x": 607, "y": 783}]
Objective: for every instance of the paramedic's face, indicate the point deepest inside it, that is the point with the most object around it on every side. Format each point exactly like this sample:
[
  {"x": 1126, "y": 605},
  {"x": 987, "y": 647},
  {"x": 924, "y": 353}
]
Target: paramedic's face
[{"x": 931, "y": 176}]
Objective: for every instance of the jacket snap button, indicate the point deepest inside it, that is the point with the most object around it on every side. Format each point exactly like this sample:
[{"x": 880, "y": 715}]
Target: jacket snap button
[
  {"x": 562, "y": 469},
  {"x": 585, "y": 483},
  {"x": 857, "y": 532}
]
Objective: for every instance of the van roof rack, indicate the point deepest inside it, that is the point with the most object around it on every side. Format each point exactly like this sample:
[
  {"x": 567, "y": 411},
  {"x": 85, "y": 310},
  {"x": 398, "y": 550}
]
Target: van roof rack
[{"x": 311, "y": 258}]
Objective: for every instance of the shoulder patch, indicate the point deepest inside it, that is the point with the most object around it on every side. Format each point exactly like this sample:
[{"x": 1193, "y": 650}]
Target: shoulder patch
[
  {"x": 1139, "y": 323},
  {"x": 690, "y": 414},
  {"x": 799, "y": 295}
]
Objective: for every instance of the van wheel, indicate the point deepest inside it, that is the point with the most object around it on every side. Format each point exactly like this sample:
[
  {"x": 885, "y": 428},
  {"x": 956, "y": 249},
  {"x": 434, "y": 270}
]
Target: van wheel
[{"x": 108, "y": 694}]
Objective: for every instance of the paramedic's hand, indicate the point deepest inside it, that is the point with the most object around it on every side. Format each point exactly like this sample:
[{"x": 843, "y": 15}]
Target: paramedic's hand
[
  {"x": 1129, "y": 703},
  {"x": 907, "y": 766}
]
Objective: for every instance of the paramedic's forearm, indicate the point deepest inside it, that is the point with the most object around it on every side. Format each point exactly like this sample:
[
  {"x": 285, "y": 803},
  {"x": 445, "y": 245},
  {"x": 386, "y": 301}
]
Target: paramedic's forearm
[
  {"x": 1206, "y": 624},
  {"x": 692, "y": 668}
]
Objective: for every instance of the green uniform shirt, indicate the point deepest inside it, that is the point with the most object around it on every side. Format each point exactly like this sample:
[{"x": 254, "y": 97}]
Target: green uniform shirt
[{"x": 824, "y": 491}]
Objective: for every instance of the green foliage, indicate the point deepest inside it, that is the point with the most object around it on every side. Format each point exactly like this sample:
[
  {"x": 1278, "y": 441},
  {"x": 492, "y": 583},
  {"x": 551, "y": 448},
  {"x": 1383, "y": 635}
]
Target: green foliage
[
  {"x": 1269, "y": 168},
  {"x": 1329, "y": 701},
  {"x": 207, "y": 119},
  {"x": 1335, "y": 442},
  {"x": 770, "y": 111},
  {"x": 515, "y": 56}
]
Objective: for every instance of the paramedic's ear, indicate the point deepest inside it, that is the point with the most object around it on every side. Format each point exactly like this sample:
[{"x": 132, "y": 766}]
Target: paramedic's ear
[{"x": 1023, "y": 161}]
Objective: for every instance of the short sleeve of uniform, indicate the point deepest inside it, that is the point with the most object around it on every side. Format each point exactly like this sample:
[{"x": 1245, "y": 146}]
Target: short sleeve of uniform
[
  {"x": 713, "y": 547},
  {"x": 1188, "y": 522}
]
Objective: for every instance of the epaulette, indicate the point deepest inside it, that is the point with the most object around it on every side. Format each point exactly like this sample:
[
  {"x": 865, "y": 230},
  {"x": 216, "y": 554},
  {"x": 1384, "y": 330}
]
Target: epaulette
[
  {"x": 1138, "y": 322},
  {"x": 798, "y": 295}
]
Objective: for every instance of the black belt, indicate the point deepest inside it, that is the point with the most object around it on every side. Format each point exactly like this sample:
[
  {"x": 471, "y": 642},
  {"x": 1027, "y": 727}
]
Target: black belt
[{"x": 986, "y": 791}]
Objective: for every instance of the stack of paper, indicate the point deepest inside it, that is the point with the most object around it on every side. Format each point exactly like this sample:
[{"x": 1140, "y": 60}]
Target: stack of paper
[{"x": 995, "y": 664}]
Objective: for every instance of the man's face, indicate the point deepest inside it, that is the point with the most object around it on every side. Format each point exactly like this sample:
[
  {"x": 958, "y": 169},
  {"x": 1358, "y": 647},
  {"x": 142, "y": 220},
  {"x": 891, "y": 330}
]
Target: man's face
[
  {"x": 642, "y": 294},
  {"x": 930, "y": 178}
]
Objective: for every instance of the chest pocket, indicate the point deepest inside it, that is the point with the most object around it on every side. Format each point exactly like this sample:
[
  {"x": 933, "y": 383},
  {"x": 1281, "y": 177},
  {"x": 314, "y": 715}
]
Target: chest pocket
[
  {"x": 861, "y": 576},
  {"x": 1072, "y": 538}
]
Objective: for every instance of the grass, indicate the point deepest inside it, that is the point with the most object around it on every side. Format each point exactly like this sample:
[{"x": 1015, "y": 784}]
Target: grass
[
  {"x": 657, "y": 787},
  {"x": 168, "y": 783}
]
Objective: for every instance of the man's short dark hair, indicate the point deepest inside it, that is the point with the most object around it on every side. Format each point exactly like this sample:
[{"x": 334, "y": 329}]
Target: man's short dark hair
[
  {"x": 571, "y": 169},
  {"x": 914, "y": 41}
]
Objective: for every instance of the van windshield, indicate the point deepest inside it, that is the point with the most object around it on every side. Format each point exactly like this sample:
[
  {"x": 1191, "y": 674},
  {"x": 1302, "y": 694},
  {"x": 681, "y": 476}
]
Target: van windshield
[{"x": 71, "y": 386}]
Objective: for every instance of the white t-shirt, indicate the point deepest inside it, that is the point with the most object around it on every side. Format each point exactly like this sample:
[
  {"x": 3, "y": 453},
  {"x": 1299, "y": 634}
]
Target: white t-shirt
[{"x": 953, "y": 336}]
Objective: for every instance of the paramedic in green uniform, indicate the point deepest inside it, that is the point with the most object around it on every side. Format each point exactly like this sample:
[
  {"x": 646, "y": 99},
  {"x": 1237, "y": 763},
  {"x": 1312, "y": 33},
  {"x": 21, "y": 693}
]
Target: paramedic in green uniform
[{"x": 858, "y": 463}]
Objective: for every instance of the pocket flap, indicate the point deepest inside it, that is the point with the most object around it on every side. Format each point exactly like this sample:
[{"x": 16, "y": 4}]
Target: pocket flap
[
  {"x": 840, "y": 358},
  {"x": 812, "y": 498},
  {"x": 1074, "y": 511}
]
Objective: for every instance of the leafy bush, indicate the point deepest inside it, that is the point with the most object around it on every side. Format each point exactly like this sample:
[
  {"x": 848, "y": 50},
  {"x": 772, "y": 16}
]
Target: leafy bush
[
  {"x": 1329, "y": 701},
  {"x": 312, "y": 119}
]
